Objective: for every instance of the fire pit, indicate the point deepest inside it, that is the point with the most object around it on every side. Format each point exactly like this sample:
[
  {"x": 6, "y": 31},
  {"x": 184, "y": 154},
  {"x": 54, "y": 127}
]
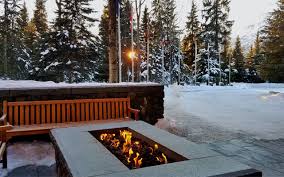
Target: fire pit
[
  {"x": 132, "y": 149},
  {"x": 135, "y": 150}
]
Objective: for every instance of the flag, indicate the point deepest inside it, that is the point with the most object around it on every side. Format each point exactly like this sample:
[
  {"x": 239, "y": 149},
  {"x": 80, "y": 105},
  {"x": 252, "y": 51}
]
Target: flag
[{"x": 117, "y": 7}]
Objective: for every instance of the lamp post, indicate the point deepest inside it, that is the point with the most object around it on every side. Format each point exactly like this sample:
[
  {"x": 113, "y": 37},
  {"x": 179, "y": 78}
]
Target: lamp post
[{"x": 131, "y": 55}]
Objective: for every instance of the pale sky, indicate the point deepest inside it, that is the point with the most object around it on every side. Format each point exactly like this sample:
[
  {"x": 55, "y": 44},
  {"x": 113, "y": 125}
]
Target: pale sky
[{"x": 244, "y": 12}]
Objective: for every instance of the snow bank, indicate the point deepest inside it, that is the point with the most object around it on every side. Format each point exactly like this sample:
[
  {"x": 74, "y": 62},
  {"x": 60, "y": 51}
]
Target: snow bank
[{"x": 256, "y": 109}]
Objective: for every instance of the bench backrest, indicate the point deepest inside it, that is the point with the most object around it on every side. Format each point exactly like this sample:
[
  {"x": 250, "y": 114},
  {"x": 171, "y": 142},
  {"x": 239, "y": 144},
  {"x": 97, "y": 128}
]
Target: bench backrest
[{"x": 63, "y": 111}]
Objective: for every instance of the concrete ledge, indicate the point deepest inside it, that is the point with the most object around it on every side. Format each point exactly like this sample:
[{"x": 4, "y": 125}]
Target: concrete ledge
[{"x": 84, "y": 156}]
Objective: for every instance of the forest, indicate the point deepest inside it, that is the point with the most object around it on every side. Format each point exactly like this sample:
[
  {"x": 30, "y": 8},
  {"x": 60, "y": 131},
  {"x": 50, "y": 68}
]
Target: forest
[{"x": 67, "y": 50}]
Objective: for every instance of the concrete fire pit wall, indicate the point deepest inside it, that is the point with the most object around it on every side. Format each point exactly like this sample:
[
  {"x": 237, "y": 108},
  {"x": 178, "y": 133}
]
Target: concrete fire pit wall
[{"x": 149, "y": 98}]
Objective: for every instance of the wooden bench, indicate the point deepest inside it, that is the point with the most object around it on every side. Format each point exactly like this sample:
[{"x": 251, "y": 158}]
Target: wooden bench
[
  {"x": 39, "y": 117},
  {"x": 3, "y": 140}
]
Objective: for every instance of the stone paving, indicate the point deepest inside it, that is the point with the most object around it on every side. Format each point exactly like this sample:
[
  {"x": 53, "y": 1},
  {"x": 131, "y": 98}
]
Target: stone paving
[
  {"x": 33, "y": 171},
  {"x": 264, "y": 155}
]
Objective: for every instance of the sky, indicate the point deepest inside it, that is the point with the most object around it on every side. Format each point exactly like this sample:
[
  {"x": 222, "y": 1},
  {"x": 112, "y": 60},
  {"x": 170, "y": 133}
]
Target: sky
[{"x": 245, "y": 13}]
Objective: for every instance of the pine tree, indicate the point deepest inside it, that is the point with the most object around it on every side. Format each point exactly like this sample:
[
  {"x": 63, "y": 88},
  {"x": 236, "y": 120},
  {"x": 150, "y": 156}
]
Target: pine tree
[
  {"x": 272, "y": 69},
  {"x": 15, "y": 56},
  {"x": 216, "y": 32},
  {"x": 23, "y": 19},
  {"x": 40, "y": 17},
  {"x": 103, "y": 69},
  {"x": 250, "y": 65},
  {"x": 193, "y": 29},
  {"x": 144, "y": 38},
  {"x": 68, "y": 53},
  {"x": 165, "y": 41},
  {"x": 238, "y": 59}
]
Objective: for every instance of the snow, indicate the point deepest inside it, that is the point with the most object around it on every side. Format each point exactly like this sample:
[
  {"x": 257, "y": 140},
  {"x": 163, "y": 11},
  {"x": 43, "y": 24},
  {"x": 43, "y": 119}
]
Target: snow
[
  {"x": 254, "y": 109},
  {"x": 69, "y": 63},
  {"x": 45, "y": 52},
  {"x": 24, "y": 84},
  {"x": 52, "y": 64},
  {"x": 38, "y": 153}
]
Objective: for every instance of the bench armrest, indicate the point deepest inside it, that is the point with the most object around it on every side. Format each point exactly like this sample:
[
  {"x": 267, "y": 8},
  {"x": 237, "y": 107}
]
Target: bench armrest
[
  {"x": 6, "y": 125},
  {"x": 135, "y": 112}
]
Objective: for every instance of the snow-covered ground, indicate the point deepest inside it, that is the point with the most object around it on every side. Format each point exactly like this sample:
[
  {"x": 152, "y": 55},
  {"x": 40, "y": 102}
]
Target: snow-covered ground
[
  {"x": 254, "y": 109},
  {"x": 38, "y": 153}
]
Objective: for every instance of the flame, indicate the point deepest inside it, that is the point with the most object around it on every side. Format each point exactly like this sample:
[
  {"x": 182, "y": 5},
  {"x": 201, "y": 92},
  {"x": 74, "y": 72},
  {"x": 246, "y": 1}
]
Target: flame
[
  {"x": 129, "y": 157},
  {"x": 131, "y": 149},
  {"x": 156, "y": 147},
  {"x": 162, "y": 159},
  {"x": 115, "y": 143},
  {"x": 127, "y": 135},
  {"x": 103, "y": 136},
  {"x": 165, "y": 158},
  {"x": 137, "y": 161}
]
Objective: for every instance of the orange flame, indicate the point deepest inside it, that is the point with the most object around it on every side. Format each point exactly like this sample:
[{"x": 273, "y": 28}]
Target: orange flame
[
  {"x": 156, "y": 147},
  {"x": 103, "y": 136},
  {"x": 127, "y": 135},
  {"x": 115, "y": 143},
  {"x": 131, "y": 149},
  {"x": 137, "y": 161},
  {"x": 165, "y": 158},
  {"x": 129, "y": 157}
]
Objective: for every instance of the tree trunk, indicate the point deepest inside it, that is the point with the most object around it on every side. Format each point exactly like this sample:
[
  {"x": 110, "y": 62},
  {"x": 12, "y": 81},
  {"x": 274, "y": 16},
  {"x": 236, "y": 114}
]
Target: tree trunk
[{"x": 112, "y": 47}]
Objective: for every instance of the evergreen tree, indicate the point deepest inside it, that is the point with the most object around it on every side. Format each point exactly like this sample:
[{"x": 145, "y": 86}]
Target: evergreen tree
[
  {"x": 68, "y": 53},
  {"x": 272, "y": 69},
  {"x": 103, "y": 46},
  {"x": 193, "y": 29},
  {"x": 165, "y": 41},
  {"x": 238, "y": 59},
  {"x": 144, "y": 38},
  {"x": 15, "y": 56},
  {"x": 250, "y": 65},
  {"x": 23, "y": 19},
  {"x": 216, "y": 32},
  {"x": 40, "y": 17}
]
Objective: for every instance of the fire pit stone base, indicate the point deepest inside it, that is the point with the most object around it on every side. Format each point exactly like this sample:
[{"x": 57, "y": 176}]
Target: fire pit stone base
[{"x": 79, "y": 154}]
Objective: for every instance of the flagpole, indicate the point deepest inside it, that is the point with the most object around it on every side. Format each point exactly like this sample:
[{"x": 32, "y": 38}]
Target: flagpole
[
  {"x": 119, "y": 42},
  {"x": 132, "y": 43}
]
